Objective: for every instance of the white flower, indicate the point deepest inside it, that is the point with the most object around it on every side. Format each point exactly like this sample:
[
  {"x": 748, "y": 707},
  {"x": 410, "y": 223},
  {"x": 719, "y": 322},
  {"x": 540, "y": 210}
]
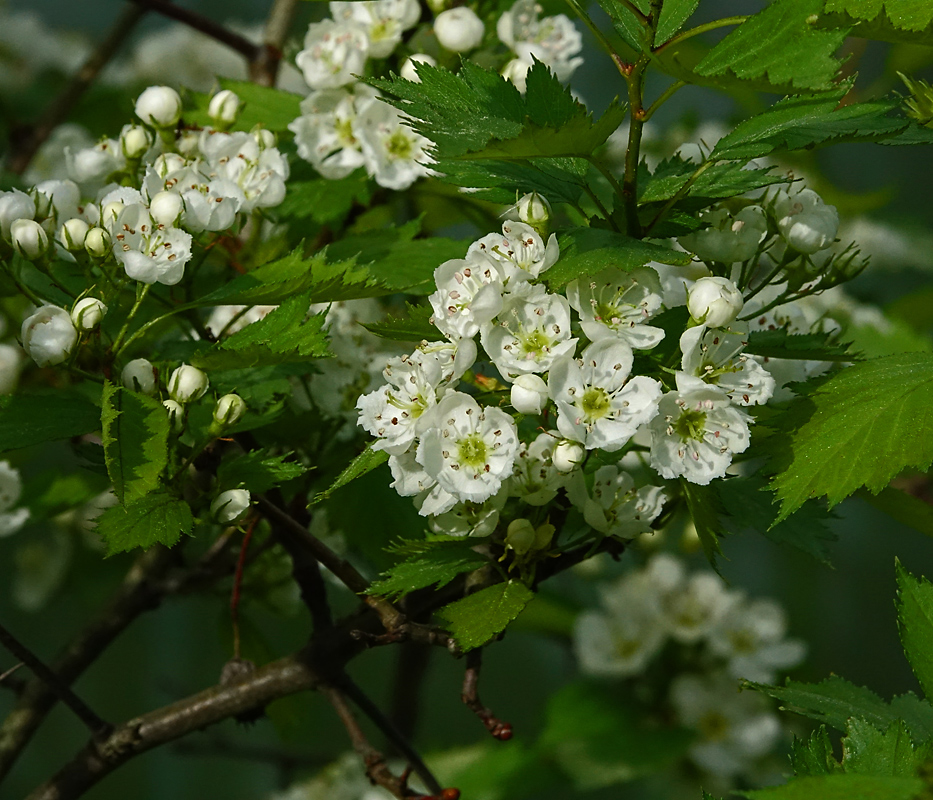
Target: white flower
[
  {"x": 529, "y": 394},
  {"x": 205, "y": 203},
  {"x": 384, "y": 21},
  {"x": 716, "y": 356},
  {"x": 520, "y": 251},
  {"x": 751, "y": 636},
  {"x": 87, "y": 313},
  {"x": 11, "y": 486},
  {"x": 140, "y": 376},
  {"x": 597, "y": 404},
  {"x": 804, "y": 220},
  {"x": 618, "y": 304},
  {"x": 516, "y": 71},
  {"x": 553, "y": 40},
  {"x": 533, "y": 210},
  {"x": 567, "y": 455},
  {"x": 334, "y": 52},
  {"x": 165, "y": 208},
  {"x": 49, "y": 336},
  {"x": 230, "y": 505},
  {"x": 735, "y": 727},
  {"x": 714, "y": 301},
  {"x": 536, "y": 479},
  {"x": 696, "y": 432},
  {"x": 469, "y": 294},
  {"x": 454, "y": 357},
  {"x": 176, "y": 415},
  {"x": 729, "y": 238},
  {"x": 224, "y": 108},
  {"x": 72, "y": 234},
  {"x": 259, "y": 172},
  {"x": 14, "y": 205},
  {"x": 459, "y": 29},
  {"x": 135, "y": 141},
  {"x": 149, "y": 251},
  {"x": 394, "y": 154},
  {"x": 615, "y": 507},
  {"x": 409, "y": 70},
  {"x": 229, "y": 410},
  {"x": 470, "y": 519},
  {"x": 57, "y": 200},
  {"x": 530, "y": 332},
  {"x": 187, "y": 384},
  {"x": 468, "y": 450},
  {"x": 691, "y": 609},
  {"x": 92, "y": 166},
  {"x": 160, "y": 106},
  {"x": 29, "y": 239}
]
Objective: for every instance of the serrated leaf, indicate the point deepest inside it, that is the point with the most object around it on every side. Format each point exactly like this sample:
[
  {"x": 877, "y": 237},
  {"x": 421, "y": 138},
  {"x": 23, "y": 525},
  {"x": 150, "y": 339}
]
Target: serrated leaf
[
  {"x": 561, "y": 180},
  {"x": 28, "y": 418},
  {"x": 135, "y": 431},
  {"x": 154, "y": 518},
  {"x": 258, "y": 472},
  {"x": 780, "y": 45},
  {"x": 324, "y": 200},
  {"x": 908, "y": 15},
  {"x": 478, "y": 618},
  {"x": 588, "y": 251},
  {"x": 439, "y": 565},
  {"x": 674, "y": 13},
  {"x": 813, "y": 756},
  {"x": 869, "y": 422},
  {"x": 869, "y": 751},
  {"x": 414, "y": 327},
  {"x": 365, "y": 462},
  {"x": 802, "y": 123},
  {"x": 804, "y": 346},
  {"x": 915, "y": 623},
  {"x": 719, "y": 181},
  {"x": 705, "y": 509},
  {"x": 881, "y": 28},
  {"x": 262, "y": 105},
  {"x": 627, "y": 24},
  {"x": 840, "y": 786}
]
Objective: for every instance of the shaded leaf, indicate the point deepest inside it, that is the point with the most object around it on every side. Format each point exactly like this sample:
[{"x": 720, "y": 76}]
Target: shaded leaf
[
  {"x": 840, "y": 786},
  {"x": 264, "y": 106},
  {"x": 915, "y": 623},
  {"x": 705, "y": 509},
  {"x": 807, "y": 346},
  {"x": 907, "y": 15},
  {"x": 718, "y": 181},
  {"x": 479, "y": 617},
  {"x": 905, "y": 508},
  {"x": 869, "y": 751},
  {"x": 439, "y": 565},
  {"x": 561, "y": 180},
  {"x": 258, "y": 472},
  {"x": 28, "y": 418},
  {"x": 365, "y": 462},
  {"x": 414, "y": 327},
  {"x": 324, "y": 200},
  {"x": 674, "y": 13},
  {"x": 813, "y": 756},
  {"x": 154, "y": 518}
]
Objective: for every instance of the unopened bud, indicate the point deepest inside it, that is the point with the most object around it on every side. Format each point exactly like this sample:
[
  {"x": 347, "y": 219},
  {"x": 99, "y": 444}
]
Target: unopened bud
[
  {"x": 97, "y": 243},
  {"x": 140, "y": 376},
  {"x": 409, "y": 70},
  {"x": 49, "y": 336},
  {"x": 87, "y": 313},
  {"x": 229, "y": 506},
  {"x": 520, "y": 536},
  {"x": 567, "y": 456},
  {"x": 29, "y": 239},
  {"x": 533, "y": 210},
  {"x": 72, "y": 234},
  {"x": 187, "y": 384},
  {"x": 224, "y": 108},
  {"x": 176, "y": 415},
  {"x": 160, "y": 106},
  {"x": 135, "y": 141},
  {"x": 166, "y": 207},
  {"x": 714, "y": 301},
  {"x": 110, "y": 211},
  {"x": 529, "y": 394},
  {"x": 264, "y": 138},
  {"x": 229, "y": 410},
  {"x": 459, "y": 29}
]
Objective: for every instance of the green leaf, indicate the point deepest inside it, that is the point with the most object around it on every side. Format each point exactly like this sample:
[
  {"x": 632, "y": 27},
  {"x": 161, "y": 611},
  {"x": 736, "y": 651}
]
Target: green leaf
[
  {"x": 29, "y": 418},
  {"x": 285, "y": 334},
  {"x": 258, "y": 472},
  {"x": 915, "y": 623},
  {"x": 881, "y": 28},
  {"x": 561, "y": 180},
  {"x": 414, "y": 327},
  {"x": 841, "y": 787},
  {"x": 324, "y": 200},
  {"x": 719, "y": 181},
  {"x": 674, "y": 13},
  {"x": 813, "y": 756},
  {"x": 905, "y": 508},
  {"x": 869, "y": 751},
  {"x": 869, "y": 422},
  {"x": 588, "y": 251},
  {"x": 135, "y": 437},
  {"x": 439, "y": 565},
  {"x": 154, "y": 518},
  {"x": 781, "y": 45},
  {"x": 269, "y": 108},
  {"x": 627, "y": 24},
  {"x": 478, "y": 618},
  {"x": 601, "y": 738},
  {"x": 705, "y": 510},
  {"x": 803, "y": 123},
  {"x": 365, "y": 462},
  {"x": 907, "y": 15},
  {"x": 807, "y": 346}
]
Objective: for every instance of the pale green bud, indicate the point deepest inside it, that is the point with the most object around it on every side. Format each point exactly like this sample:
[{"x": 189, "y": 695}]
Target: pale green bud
[
  {"x": 224, "y": 108},
  {"x": 87, "y": 313},
  {"x": 187, "y": 384},
  {"x": 72, "y": 233},
  {"x": 29, "y": 239},
  {"x": 97, "y": 243},
  {"x": 229, "y": 410},
  {"x": 229, "y": 506}
]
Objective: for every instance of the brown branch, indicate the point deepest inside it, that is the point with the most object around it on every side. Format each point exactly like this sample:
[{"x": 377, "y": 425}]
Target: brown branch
[
  {"x": 410, "y": 669},
  {"x": 470, "y": 697},
  {"x": 95, "y": 724},
  {"x": 264, "y": 67},
  {"x": 25, "y": 141},
  {"x": 9, "y": 681}
]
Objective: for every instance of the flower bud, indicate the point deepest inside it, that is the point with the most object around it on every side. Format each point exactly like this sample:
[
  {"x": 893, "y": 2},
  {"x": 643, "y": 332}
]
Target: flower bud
[
  {"x": 224, "y": 108},
  {"x": 517, "y": 72},
  {"x": 166, "y": 207},
  {"x": 110, "y": 211},
  {"x": 49, "y": 336},
  {"x": 408, "y": 70},
  {"x": 729, "y": 238},
  {"x": 140, "y": 376},
  {"x": 264, "y": 138},
  {"x": 176, "y": 415},
  {"x": 187, "y": 384},
  {"x": 135, "y": 141},
  {"x": 229, "y": 506},
  {"x": 229, "y": 410},
  {"x": 520, "y": 536},
  {"x": 714, "y": 302},
  {"x": 533, "y": 210},
  {"x": 87, "y": 313},
  {"x": 160, "y": 106},
  {"x": 71, "y": 234},
  {"x": 97, "y": 243},
  {"x": 459, "y": 29},
  {"x": 529, "y": 394},
  {"x": 14, "y": 205},
  {"x": 567, "y": 456},
  {"x": 29, "y": 239},
  {"x": 805, "y": 221}
]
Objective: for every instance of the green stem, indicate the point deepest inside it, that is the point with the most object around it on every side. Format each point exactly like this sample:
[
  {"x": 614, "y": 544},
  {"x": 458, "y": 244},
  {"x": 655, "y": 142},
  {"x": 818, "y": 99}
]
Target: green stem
[
  {"x": 636, "y": 85},
  {"x": 637, "y": 12},
  {"x": 681, "y": 193},
  {"x": 602, "y": 209},
  {"x": 32, "y": 296},
  {"x": 667, "y": 95},
  {"x": 141, "y": 291},
  {"x": 607, "y": 174},
  {"x": 709, "y": 26},
  {"x": 142, "y": 330},
  {"x": 771, "y": 275},
  {"x": 599, "y": 35}
]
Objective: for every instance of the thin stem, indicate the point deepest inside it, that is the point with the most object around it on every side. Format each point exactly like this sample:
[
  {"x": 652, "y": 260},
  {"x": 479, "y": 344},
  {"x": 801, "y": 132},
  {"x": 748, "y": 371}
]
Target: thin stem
[
  {"x": 665, "y": 96},
  {"x": 470, "y": 697},
  {"x": 709, "y": 26},
  {"x": 636, "y": 83},
  {"x": 602, "y": 209},
  {"x": 264, "y": 67},
  {"x": 8, "y": 681},
  {"x": 96, "y": 725},
  {"x": 141, "y": 292},
  {"x": 679, "y": 195},
  {"x": 23, "y": 289},
  {"x": 237, "y": 584},
  {"x": 607, "y": 174},
  {"x": 145, "y": 327},
  {"x": 598, "y": 34}
]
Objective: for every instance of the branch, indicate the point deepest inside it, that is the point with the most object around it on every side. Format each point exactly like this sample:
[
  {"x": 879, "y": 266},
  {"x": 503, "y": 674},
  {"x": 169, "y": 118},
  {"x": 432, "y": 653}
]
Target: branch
[
  {"x": 470, "y": 697},
  {"x": 26, "y": 141},
  {"x": 82, "y": 711},
  {"x": 264, "y": 67},
  {"x": 11, "y": 682}
]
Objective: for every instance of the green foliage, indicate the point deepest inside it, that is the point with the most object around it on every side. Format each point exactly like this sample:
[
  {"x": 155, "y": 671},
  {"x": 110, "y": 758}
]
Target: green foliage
[
  {"x": 869, "y": 422},
  {"x": 841, "y": 787},
  {"x": 915, "y": 623},
  {"x": 155, "y": 518},
  {"x": 560, "y": 179},
  {"x": 705, "y": 510},
  {"x": 263, "y": 106},
  {"x": 135, "y": 428},
  {"x": 716, "y": 182},
  {"x": 587, "y": 251},
  {"x": 414, "y": 327},
  {"x": 813, "y": 756},
  {"x": 904, "y": 15},
  {"x": 285, "y": 334},
  {"x": 258, "y": 471},
  {"x": 808, "y": 346},
  {"x": 440, "y": 564},
  {"x": 323, "y": 200},
  {"x": 869, "y": 751},
  {"x": 479, "y": 617},
  {"x": 599, "y": 738},
  {"x": 674, "y": 13},
  {"x": 780, "y": 45},
  {"x": 29, "y": 418},
  {"x": 365, "y": 462}
]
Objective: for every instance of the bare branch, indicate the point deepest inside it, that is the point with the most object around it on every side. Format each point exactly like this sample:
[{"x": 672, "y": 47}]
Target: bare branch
[
  {"x": 264, "y": 67},
  {"x": 11, "y": 682},
  {"x": 470, "y": 697}
]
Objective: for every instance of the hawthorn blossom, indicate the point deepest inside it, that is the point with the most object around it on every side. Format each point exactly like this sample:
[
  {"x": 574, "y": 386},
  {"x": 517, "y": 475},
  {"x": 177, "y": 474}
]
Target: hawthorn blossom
[
  {"x": 49, "y": 336},
  {"x": 469, "y": 294},
  {"x": 552, "y": 40},
  {"x": 805, "y": 222},
  {"x": 729, "y": 237},
  {"x": 383, "y": 21},
  {"x": 334, "y": 52},
  {"x": 692, "y": 609},
  {"x": 615, "y": 507},
  {"x": 714, "y": 301},
  {"x": 535, "y": 479},
  {"x": 618, "y": 304},
  {"x": 209, "y": 204},
  {"x": 393, "y": 153},
  {"x": 258, "y": 170},
  {"x": 149, "y": 251},
  {"x": 470, "y": 519},
  {"x": 11, "y": 487},
  {"x": 597, "y": 403},
  {"x": 716, "y": 356},
  {"x": 520, "y": 250}
]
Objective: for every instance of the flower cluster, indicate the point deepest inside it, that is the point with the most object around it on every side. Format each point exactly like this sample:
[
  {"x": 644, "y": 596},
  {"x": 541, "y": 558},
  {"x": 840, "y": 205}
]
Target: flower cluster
[{"x": 719, "y": 635}]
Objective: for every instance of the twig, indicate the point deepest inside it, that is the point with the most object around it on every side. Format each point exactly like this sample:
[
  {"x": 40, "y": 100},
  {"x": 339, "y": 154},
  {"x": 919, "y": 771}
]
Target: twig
[
  {"x": 96, "y": 725},
  {"x": 470, "y": 697},
  {"x": 410, "y": 668},
  {"x": 237, "y": 583},
  {"x": 26, "y": 141},
  {"x": 8, "y": 681},
  {"x": 264, "y": 67}
]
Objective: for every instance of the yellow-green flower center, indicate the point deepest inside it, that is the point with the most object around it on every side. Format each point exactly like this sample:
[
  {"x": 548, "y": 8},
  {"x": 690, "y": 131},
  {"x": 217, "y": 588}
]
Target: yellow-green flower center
[
  {"x": 471, "y": 451},
  {"x": 399, "y": 145},
  {"x": 691, "y": 425},
  {"x": 534, "y": 342},
  {"x": 595, "y": 404}
]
